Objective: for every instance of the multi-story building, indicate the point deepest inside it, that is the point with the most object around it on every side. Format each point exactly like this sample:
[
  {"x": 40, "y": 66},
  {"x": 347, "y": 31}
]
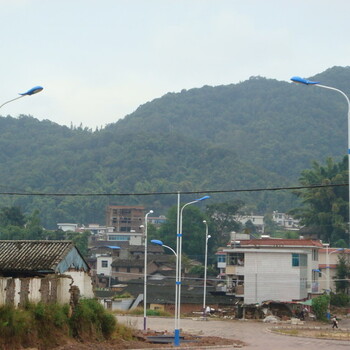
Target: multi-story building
[
  {"x": 286, "y": 221},
  {"x": 125, "y": 218},
  {"x": 328, "y": 261},
  {"x": 272, "y": 269}
]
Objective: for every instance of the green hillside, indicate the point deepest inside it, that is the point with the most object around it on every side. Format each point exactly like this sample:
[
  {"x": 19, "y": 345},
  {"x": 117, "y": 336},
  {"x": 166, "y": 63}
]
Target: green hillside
[{"x": 255, "y": 134}]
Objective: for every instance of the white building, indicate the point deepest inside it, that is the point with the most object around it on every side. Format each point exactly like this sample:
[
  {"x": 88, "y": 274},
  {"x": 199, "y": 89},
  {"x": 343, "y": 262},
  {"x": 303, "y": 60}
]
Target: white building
[
  {"x": 329, "y": 257},
  {"x": 286, "y": 221},
  {"x": 67, "y": 227},
  {"x": 272, "y": 269},
  {"x": 256, "y": 220},
  {"x": 134, "y": 238}
]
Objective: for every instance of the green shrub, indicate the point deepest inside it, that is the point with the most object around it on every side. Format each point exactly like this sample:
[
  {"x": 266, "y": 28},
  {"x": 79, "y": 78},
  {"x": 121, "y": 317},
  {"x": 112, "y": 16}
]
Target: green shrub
[
  {"x": 91, "y": 319},
  {"x": 48, "y": 325},
  {"x": 320, "y": 306},
  {"x": 340, "y": 300}
]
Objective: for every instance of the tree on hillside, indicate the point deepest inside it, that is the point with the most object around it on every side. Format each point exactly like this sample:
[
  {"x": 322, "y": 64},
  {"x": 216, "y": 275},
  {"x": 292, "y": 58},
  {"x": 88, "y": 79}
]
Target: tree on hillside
[
  {"x": 12, "y": 216},
  {"x": 342, "y": 275},
  {"x": 223, "y": 221},
  {"x": 193, "y": 232},
  {"x": 324, "y": 210}
]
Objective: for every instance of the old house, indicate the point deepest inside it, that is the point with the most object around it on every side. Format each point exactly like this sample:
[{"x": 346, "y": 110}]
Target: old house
[{"x": 46, "y": 271}]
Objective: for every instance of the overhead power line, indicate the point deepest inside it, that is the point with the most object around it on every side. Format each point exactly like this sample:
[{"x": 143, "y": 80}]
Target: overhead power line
[{"x": 79, "y": 194}]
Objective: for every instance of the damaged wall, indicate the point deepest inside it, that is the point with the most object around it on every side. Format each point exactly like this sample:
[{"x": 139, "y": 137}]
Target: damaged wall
[{"x": 51, "y": 288}]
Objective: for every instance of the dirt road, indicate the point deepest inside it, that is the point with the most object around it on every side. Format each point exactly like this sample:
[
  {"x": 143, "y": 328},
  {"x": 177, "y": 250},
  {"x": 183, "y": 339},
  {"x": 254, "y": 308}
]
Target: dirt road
[{"x": 255, "y": 334}]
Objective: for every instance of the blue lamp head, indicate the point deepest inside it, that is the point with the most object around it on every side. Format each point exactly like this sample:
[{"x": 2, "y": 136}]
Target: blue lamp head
[
  {"x": 202, "y": 199},
  {"x": 157, "y": 241},
  {"x": 300, "y": 80},
  {"x": 316, "y": 270},
  {"x": 32, "y": 91}
]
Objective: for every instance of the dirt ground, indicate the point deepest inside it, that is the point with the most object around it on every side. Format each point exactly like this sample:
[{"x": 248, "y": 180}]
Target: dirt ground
[
  {"x": 309, "y": 330},
  {"x": 140, "y": 342}
]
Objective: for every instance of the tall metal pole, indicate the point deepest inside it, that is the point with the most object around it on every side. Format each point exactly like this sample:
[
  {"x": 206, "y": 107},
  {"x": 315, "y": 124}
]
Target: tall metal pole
[
  {"x": 205, "y": 267},
  {"x": 178, "y": 266},
  {"x": 145, "y": 276},
  {"x": 177, "y": 283},
  {"x": 316, "y": 83}
]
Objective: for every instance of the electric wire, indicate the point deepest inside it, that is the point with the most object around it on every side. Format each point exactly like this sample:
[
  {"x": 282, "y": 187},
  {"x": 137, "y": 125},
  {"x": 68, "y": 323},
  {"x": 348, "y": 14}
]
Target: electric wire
[{"x": 80, "y": 194}]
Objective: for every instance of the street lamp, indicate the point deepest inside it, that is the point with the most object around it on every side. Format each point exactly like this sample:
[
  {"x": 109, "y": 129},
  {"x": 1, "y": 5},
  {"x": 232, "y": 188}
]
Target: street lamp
[
  {"x": 316, "y": 83},
  {"x": 145, "y": 276},
  {"x": 178, "y": 267},
  {"x": 158, "y": 242},
  {"x": 30, "y": 92},
  {"x": 205, "y": 266}
]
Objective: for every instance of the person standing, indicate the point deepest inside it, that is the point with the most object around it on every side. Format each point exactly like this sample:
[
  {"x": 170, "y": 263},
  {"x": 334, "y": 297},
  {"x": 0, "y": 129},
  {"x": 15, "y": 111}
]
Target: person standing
[{"x": 334, "y": 322}]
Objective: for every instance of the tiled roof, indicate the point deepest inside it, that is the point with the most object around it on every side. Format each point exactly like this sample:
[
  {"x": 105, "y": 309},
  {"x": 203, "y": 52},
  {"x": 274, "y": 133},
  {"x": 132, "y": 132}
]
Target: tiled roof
[
  {"x": 98, "y": 244},
  {"x": 330, "y": 250},
  {"x": 32, "y": 256},
  {"x": 163, "y": 292},
  {"x": 281, "y": 242},
  {"x": 324, "y": 266},
  {"x": 150, "y": 248},
  {"x": 128, "y": 263}
]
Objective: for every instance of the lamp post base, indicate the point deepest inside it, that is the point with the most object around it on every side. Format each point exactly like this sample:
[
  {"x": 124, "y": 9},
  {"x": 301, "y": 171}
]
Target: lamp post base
[{"x": 177, "y": 337}]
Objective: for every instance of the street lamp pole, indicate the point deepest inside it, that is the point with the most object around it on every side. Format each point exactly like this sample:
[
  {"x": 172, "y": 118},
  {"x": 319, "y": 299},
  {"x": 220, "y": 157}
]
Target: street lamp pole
[
  {"x": 156, "y": 241},
  {"x": 145, "y": 277},
  {"x": 315, "y": 83},
  {"x": 205, "y": 267},
  {"x": 30, "y": 92},
  {"x": 178, "y": 266}
]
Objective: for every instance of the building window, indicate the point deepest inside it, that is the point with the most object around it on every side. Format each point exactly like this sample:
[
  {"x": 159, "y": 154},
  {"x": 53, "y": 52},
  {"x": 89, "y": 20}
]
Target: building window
[
  {"x": 221, "y": 258},
  {"x": 314, "y": 254},
  {"x": 235, "y": 259},
  {"x": 299, "y": 260},
  {"x": 118, "y": 238},
  {"x": 104, "y": 263},
  {"x": 125, "y": 220},
  {"x": 295, "y": 260}
]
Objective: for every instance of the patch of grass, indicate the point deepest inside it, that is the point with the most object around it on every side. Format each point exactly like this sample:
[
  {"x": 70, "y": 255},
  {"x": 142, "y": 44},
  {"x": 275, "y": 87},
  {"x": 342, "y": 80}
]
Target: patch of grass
[
  {"x": 139, "y": 311},
  {"x": 294, "y": 332}
]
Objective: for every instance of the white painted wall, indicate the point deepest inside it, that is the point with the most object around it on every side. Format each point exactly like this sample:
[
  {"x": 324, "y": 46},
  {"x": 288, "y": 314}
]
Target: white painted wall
[
  {"x": 84, "y": 282},
  {"x": 105, "y": 270},
  {"x": 271, "y": 276}
]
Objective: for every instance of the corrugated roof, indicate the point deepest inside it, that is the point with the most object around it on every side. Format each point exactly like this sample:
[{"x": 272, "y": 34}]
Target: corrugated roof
[{"x": 32, "y": 256}]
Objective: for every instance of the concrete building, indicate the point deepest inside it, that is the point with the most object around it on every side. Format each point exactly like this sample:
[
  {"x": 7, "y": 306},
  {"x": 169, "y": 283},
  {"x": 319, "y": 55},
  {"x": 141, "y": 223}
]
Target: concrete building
[
  {"x": 67, "y": 227},
  {"x": 256, "y": 220},
  {"x": 125, "y": 218},
  {"x": 286, "y": 221},
  {"x": 272, "y": 269},
  {"x": 331, "y": 261}
]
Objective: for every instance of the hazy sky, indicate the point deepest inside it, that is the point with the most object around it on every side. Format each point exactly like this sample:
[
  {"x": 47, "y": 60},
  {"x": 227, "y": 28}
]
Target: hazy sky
[{"x": 98, "y": 60}]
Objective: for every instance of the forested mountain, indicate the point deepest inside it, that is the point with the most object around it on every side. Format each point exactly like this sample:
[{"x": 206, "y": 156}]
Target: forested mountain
[{"x": 255, "y": 134}]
